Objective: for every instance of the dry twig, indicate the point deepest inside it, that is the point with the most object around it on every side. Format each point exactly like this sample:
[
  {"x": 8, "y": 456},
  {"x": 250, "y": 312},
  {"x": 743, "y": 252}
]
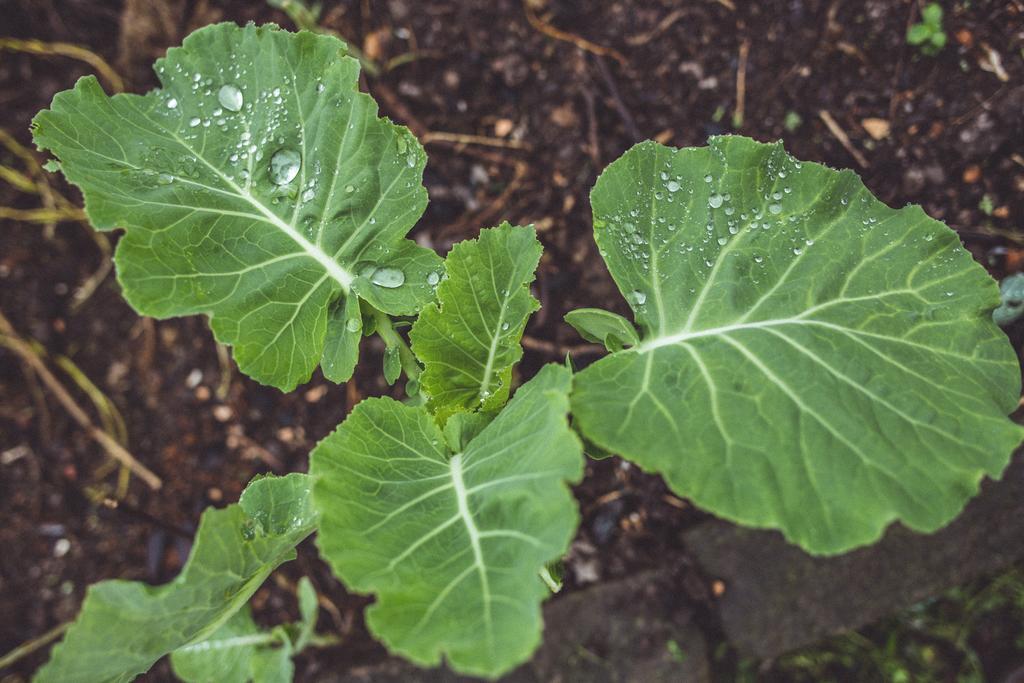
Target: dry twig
[
  {"x": 463, "y": 139},
  {"x": 38, "y": 47},
  {"x": 840, "y": 135},
  {"x": 10, "y": 339},
  {"x": 582, "y": 43},
  {"x": 741, "y": 84}
]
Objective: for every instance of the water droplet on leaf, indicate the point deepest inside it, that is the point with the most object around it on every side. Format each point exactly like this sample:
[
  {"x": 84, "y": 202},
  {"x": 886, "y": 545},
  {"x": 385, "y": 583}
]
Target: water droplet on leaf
[
  {"x": 230, "y": 97},
  {"x": 389, "y": 278},
  {"x": 284, "y": 166}
]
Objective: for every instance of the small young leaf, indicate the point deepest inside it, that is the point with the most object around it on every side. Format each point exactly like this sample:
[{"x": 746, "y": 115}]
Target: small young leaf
[
  {"x": 257, "y": 186},
  {"x": 603, "y": 327},
  {"x": 451, "y": 543},
  {"x": 469, "y": 340},
  {"x": 811, "y": 360},
  {"x": 310, "y": 610},
  {"x": 392, "y": 364},
  {"x": 932, "y": 14},
  {"x": 918, "y": 34},
  {"x": 126, "y": 626},
  {"x": 341, "y": 345}
]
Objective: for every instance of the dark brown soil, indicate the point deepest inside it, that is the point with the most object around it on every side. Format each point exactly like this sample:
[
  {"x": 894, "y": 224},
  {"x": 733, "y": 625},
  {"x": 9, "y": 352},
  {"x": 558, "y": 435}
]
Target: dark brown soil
[{"x": 955, "y": 145}]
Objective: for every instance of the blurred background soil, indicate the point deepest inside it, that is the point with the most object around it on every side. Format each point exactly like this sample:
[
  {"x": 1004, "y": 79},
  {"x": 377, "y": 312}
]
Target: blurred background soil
[{"x": 550, "y": 91}]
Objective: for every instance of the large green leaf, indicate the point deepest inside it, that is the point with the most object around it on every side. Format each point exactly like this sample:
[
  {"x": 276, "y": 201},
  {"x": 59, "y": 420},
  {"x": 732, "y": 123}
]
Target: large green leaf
[
  {"x": 257, "y": 186},
  {"x": 451, "y": 543},
  {"x": 811, "y": 359},
  {"x": 469, "y": 340},
  {"x": 126, "y": 626}
]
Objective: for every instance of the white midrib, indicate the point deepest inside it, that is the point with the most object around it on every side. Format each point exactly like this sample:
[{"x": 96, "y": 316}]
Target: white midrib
[
  {"x": 462, "y": 498},
  {"x": 334, "y": 270},
  {"x": 679, "y": 337},
  {"x": 492, "y": 352}
]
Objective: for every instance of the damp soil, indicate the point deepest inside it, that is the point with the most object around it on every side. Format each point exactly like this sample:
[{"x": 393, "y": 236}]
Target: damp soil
[{"x": 946, "y": 132}]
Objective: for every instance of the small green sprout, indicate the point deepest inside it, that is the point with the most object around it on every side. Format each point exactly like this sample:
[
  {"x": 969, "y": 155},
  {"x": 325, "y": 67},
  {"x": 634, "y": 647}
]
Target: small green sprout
[{"x": 928, "y": 35}]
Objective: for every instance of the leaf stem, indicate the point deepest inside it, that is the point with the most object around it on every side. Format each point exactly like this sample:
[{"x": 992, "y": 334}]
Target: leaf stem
[
  {"x": 553, "y": 584},
  {"x": 385, "y": 327}
]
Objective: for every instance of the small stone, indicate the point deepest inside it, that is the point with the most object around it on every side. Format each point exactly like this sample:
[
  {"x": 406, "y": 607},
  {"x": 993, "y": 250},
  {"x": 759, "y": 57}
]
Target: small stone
[
  {"x": 877, "y": 128},
  {"x": 502, "y": 127}
]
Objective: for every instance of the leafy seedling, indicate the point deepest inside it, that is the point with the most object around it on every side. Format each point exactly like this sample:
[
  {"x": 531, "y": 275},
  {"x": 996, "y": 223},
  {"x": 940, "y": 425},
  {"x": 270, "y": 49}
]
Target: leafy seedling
[
  {"x": 927, "y": 35},
  {"x": 801, "y": 357}
]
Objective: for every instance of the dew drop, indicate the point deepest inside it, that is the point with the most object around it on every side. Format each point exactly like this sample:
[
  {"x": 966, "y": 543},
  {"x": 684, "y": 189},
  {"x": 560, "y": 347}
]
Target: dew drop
[
  {"x": 775, "y": 208},
  {"x": 672, "y": 186},
  {"x": 504, "y": 326},
  {"x": 639, "y": 297},
  {"x": 433, "y": 279},
  {"x": 308, "y": 195},
  {"x": 715, "y": 201},
  {"x": 722, "y": 241},
  {"x": 708, "y": 178},
  {"x": 284, "y": 166},
  {"x": 389, "y": 278},
  {"x": 353, "y": 325},
  {"x": 164, "y": 179},
  {"x": 172, "y": 103},
  {"x": 230, "y": 97},
  {"x": 194, "y": 121}
]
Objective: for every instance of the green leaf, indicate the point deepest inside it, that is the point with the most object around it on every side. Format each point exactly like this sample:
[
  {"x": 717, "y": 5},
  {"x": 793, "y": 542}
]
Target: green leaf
[
  {"x": 309, "y": 609},
  {"x": 392, "y": 364},
  {"x": 451, "y": 543},
  {"x": 237, "y": 652},
  {"x": 257, "y": 187},
  {"x": 918, "y": 34},
  {"x": 603, "y": 327},
  {"x": 811, "y": 360},
  {"x": 469, "y": 340},
  {"x": 126, "y": 626},
  {"x": 932, "y": 14}
]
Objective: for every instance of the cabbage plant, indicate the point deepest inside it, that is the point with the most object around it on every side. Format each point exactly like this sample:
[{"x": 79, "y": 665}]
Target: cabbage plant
[{"x": 800, "y": 357}]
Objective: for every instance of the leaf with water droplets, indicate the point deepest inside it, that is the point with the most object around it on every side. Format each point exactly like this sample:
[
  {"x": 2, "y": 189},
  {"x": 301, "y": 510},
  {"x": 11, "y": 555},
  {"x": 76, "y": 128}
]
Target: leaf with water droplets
[
  {"x": 253, "y": 187},
  {"x": 469, "y": 340},
  {"x": 124, "y": 627},
  {"x": 810, "y": 360},
  {"x": 450, "y": 541}
]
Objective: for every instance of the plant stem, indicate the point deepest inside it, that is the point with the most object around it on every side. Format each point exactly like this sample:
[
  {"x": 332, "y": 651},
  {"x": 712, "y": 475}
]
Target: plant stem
[
  {"x": 386, "y": 329},
  {"x": 25, "y": 649},
  {"x": 549, "y": 580}
]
